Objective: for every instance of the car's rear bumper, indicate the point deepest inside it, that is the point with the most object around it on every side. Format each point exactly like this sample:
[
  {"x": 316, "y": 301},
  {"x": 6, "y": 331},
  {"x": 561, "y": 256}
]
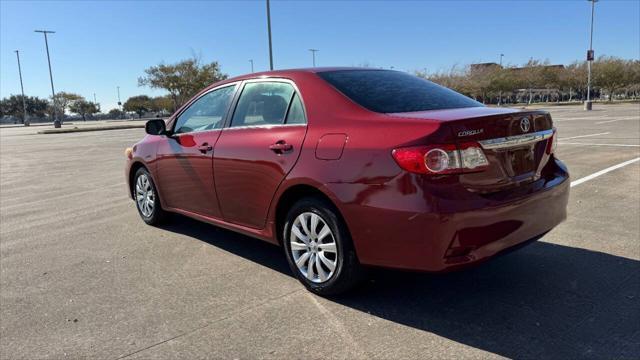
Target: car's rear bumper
[{"x": 429, "y": 231}]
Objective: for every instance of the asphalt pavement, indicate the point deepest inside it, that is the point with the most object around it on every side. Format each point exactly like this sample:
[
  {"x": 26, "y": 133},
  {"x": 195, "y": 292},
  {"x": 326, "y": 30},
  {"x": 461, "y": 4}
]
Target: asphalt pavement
[{"x": 81, "y": 276}]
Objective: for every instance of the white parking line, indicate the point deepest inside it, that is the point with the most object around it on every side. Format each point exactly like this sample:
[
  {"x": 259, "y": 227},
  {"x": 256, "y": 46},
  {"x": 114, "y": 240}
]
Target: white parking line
[
  {"x": 592, "y": 144},
  {"x": 606, "y": 122},
  {"x": 581, "y": 136},
  {"x": 602, "y": 172}
]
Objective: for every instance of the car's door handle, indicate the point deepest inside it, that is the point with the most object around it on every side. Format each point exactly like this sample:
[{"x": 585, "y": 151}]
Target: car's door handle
[
  {"x": 204, "y": 148},
  {"x": 280, "y": 147}
]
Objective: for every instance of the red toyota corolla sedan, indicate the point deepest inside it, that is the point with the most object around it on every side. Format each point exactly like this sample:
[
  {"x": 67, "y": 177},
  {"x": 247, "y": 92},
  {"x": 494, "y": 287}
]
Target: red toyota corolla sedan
[{"x": 348, "y": 167}]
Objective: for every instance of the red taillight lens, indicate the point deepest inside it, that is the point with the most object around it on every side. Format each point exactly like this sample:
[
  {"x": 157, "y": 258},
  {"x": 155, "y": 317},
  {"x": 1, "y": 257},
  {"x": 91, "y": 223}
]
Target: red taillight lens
[
  {"x": 552, "y": 143},
  {"x": 441, "y": 159}
]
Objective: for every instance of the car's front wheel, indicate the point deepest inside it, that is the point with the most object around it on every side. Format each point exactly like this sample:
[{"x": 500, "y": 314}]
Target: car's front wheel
[
  {"x": 146, "y": 197},
  {"x": 319, "y": 249}
]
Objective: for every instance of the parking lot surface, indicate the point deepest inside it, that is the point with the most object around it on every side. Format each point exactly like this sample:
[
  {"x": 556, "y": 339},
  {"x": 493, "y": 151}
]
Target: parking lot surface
[{"x": 81, "y": 276}]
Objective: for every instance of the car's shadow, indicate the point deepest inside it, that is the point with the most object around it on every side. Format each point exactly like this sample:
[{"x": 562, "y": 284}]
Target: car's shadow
[{"x": 544, "y": 300}]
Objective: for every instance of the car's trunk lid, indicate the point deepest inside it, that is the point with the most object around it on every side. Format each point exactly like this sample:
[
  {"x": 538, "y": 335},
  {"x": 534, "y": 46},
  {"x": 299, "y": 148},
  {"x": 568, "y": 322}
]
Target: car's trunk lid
[{"x": 513, "y": 141}]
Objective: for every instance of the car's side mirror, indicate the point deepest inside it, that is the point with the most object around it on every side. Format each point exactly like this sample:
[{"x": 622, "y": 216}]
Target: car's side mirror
[{"x": 155, "y": 127}]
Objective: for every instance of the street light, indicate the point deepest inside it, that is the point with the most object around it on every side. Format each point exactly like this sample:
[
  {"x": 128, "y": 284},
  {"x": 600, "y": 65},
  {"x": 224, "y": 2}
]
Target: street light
[
  {"x": 56, "y": 120},
  {"x": 269, "y": 33},
  {"x": 251, "y": 61},
  {"x": 313, "y": 54},
  {"x": 500, "y": 95},
  {"x": 590, "y": 57},
  {"x": 25, "y": 121},
  {"x": 119, "y": 102}
]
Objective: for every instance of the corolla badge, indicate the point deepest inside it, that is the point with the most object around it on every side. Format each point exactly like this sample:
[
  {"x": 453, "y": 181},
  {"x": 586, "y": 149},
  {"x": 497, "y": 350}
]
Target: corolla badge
[
  {"x": 525, "y": 124},
  {"x": 470, "y": 132}
]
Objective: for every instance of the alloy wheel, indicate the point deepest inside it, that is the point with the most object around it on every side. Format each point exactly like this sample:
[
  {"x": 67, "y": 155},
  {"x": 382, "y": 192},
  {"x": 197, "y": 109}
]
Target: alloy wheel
[
  {"x": 313, "y": 247},
  {"x": 145, "y": 197}
]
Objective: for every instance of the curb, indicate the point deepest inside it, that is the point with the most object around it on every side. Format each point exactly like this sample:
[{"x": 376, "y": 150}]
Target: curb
[
  {"x": 10, "y": 126},
  {"x": 96, "y": 128}
]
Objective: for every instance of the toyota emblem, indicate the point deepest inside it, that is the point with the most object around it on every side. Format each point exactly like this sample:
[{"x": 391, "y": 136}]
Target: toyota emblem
[{"x": 525, "y": 124}]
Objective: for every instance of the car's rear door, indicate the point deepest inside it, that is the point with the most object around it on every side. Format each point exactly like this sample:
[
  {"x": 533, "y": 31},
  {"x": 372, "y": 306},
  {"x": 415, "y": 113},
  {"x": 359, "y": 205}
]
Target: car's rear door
[
  {"x": 259, "y": 147},
  {"x": 184, "y": 160}
]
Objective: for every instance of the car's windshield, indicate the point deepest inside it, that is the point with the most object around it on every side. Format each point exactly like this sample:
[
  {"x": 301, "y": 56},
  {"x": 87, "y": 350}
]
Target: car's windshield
[{"x": 387, "y": 91}]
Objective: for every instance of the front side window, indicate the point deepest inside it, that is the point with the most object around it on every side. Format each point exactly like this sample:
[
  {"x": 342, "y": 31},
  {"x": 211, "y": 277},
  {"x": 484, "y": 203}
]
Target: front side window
[
  {"x": 262, "y": 103},
  {"x": 207, "y": 112}
]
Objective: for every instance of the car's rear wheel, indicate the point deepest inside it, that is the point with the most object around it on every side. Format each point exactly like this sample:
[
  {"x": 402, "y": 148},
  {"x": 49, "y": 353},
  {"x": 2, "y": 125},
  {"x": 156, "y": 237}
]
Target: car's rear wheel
[
  {"x": 146, "y": 196},
  {"x": 319, "y": 249}
]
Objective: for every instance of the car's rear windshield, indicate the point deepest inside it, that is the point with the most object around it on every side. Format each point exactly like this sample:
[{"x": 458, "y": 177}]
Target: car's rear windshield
[{"x": 387, "y": 91}]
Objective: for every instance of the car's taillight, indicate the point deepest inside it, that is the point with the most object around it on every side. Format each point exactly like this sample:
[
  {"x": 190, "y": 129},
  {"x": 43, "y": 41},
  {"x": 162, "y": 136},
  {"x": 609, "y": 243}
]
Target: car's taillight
[
  {"x": 552, "y": 143},
  {"x": 441, "y": 159}
]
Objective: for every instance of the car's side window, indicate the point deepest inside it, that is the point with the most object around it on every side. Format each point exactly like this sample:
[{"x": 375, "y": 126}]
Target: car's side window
[
  {"x": 207, "y": 112},
  {"x": 262, "y": 103},
  {"x": 296, "y": 111}
]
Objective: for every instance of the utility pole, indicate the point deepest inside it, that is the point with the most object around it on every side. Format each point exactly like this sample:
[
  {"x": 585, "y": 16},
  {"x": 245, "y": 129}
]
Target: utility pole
[
  {"x": 25, "y": 121},
  {"x": 56, "y": 121},
  {"x": 500, "y": 96},
  {"x": 590, "y": 56},
  {"x": 269, "y": 33},
  {"x": 313, "y": 54},
  {"x": 119, "y": 102},
  {"x": 251, "y": 61}
]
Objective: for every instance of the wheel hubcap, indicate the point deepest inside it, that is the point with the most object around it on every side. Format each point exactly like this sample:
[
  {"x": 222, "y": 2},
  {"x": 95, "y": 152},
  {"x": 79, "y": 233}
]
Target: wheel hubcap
[
  {"x": 313, "y": 247},
  {"x": 145, "y": 198}
]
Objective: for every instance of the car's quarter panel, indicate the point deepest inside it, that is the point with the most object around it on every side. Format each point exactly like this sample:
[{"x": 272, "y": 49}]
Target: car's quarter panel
[
  {"x": 185, "y": 172},
  {"x": 423, "y": 219}
]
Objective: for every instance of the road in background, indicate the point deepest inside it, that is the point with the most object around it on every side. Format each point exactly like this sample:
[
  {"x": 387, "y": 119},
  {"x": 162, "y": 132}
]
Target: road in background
[{"x": 82, "y": 276}]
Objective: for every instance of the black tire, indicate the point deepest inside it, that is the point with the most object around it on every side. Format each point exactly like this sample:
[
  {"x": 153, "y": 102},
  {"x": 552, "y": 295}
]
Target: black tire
[
  {"x": 348, "y": 271},
  {"x": 157, "y": 215}
]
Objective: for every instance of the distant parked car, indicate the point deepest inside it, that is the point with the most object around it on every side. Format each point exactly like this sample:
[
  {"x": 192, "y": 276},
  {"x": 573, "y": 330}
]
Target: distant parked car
[{"x": 348, "y": 167}]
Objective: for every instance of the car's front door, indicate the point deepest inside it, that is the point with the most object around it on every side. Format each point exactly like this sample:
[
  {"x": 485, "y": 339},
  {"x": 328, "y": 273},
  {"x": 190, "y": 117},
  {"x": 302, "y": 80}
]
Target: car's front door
[
  {"x": 184, "y": 160},
  {"x": 258, "y": 149}
]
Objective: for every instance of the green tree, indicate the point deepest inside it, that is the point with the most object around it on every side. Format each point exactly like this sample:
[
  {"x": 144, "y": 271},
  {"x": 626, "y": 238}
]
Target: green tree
[
  {"x": 610, "y": 74},
  {"x": 83, "y": 108},
  {"x": 574, "y": 78},
  {"x": 162, "y": 104},
  {"x": 139, "y": 104},
  {"x": 183, "y": 79},
  {"x": 61, "y": 102},
  {"x": 550, "y": 78},
  {"x": 115, "y": 113},
  {"x": 529, "y": 76},
  {"x": 12, "y": 106}
]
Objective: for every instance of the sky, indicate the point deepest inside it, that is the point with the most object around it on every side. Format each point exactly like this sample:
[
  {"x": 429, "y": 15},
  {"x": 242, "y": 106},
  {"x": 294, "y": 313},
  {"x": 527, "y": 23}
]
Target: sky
[{"x": 100, "y": 45}]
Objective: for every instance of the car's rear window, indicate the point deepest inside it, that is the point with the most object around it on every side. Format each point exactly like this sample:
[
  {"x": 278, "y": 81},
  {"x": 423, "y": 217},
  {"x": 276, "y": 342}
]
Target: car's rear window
[{"x": 387, "y": 91}]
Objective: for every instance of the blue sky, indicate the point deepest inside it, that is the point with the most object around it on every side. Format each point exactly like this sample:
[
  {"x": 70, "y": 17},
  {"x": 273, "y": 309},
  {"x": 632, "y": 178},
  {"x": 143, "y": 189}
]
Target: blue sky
[{"x": 100, "y": 45}]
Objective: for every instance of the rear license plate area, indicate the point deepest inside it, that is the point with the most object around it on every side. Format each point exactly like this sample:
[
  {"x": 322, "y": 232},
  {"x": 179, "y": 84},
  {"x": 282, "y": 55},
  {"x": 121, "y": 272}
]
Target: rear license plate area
[{"x": 520, "y": 161}]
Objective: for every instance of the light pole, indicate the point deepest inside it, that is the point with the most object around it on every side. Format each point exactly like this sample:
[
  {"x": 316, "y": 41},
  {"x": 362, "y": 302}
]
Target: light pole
[
  {"x": 25, "y": 121},
  {"x": 500, "y": 94},
  {"x": 269, "y": 33},
  {"x": 313, "y": 55},
  {"x": 56, "y": 120},
  {"x": 590, "y": 56},
  {"x": 251, "y": 61},
  {"x": 119, "y": 102},
  {"x": 94, "y": 98}
]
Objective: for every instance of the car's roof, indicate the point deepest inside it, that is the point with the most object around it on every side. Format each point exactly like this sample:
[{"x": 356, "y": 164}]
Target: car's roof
[{"x": 293, "y": 72}]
